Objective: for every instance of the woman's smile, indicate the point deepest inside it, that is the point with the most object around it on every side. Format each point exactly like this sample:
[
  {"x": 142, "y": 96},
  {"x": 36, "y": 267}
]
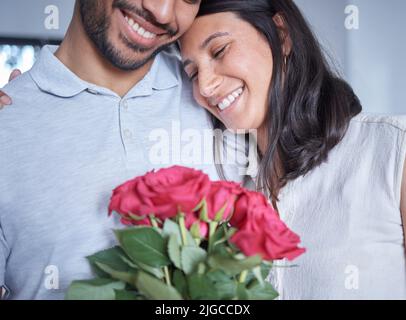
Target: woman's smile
[{"x": 229, "y": 100}]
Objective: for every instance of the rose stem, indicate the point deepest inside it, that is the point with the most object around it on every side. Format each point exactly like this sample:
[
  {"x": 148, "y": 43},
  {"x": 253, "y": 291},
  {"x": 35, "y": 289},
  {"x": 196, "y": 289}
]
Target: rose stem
[
  {"x": 212, "y": 229},
  {"x": 243, "y": 276},
  {"x": 182, "y": 225},
  {"x": 167, "y": 276},
  {"x": 153, "y": 221}
]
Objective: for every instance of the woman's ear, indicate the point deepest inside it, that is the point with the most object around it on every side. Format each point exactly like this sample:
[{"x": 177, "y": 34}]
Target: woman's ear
[{"x": 283, "y": 33}]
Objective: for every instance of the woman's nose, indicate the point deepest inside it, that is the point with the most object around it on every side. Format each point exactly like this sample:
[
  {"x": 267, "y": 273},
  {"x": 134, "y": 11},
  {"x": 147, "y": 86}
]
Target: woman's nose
[{"x": 208, "y": 84}]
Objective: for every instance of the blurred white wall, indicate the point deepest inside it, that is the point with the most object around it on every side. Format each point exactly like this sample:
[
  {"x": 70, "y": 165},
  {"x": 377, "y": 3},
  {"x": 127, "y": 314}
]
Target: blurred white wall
[
  {"x": 371, "y": 58},
  {"x": 376, "y": 55},
  {"x": 26, "y": 18},
  {"x": 326, "y": 17}
]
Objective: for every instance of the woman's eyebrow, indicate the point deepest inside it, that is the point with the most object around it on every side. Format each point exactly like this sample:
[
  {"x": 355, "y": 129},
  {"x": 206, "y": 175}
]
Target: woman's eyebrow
[{"x": 212, "y": 37}]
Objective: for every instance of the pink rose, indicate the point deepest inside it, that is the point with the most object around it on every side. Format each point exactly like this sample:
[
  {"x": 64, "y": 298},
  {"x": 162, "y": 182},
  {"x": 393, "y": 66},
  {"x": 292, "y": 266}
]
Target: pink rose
[
  {"x": 163, "y": 193},
  {"x": 260, "y": 230},
  {"x": 246, "y": 200},
  {"x": 222, "y": 193}
]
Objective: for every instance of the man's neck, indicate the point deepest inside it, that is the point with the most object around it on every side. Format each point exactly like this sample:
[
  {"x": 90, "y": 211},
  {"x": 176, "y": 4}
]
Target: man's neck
[{"x": 78, "y": 53}]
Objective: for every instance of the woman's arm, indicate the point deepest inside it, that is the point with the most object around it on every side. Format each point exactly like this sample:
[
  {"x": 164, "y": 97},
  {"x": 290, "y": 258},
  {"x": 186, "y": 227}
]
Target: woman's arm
[{"x": 403, "y": 202}]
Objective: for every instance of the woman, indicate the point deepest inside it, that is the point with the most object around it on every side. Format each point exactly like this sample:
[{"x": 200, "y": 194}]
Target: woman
[{"x": 334, "y": 173}]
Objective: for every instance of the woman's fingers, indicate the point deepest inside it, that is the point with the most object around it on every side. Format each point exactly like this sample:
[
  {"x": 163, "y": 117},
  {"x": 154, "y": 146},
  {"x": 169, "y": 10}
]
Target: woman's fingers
[
  {"x": 14, "y": 74},
  {"x": 4, "y": 100}
]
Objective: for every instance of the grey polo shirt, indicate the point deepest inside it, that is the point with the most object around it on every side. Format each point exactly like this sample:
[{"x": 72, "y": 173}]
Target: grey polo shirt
[{"x": 65, "y": 144}]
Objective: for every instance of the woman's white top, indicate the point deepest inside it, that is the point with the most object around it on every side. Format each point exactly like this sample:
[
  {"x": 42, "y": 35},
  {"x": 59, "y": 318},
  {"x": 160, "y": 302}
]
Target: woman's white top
[{"x": 347, "y": 213}]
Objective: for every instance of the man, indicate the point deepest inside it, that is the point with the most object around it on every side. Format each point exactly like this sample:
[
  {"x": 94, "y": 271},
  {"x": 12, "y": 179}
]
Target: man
[{"x": 83, "y": 121}]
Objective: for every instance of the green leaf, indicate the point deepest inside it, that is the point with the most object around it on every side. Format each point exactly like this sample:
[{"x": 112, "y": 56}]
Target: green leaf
[
  {"x": 201, "y": 288},
  {"x": 266, "y": 267},
  {"x": 230, "y": 232},
  {"x": 126, "y": 295},
  {"x": 96, "y": 289},
  {"x": 258, "y": 275},
  {"x": 199, "y": 206},
  {"x": 128, "y": 262},
  {"x": 204, "y": 214},
  {"x": 156, "y": 272},
  {"x": 112, "y": 257},
  {"x": 179, "y": 281},
  {"x": 191, "y": 257},
  {"x": 195, "y": 230},
  {"x": 201, "y": 268},
  {"x": 219, "y": 215},
  {"x": 223, "y": 284},
  {"x": 190, "y": 240},
  {"x": 222, "y": 250},
  {"x": 155, "y": 289},
  {"x": 174, "y": 251},
  {"x": 233, "y": 266},
  {"x": 262, "y": 292},
  {"x": 242, "y": 292},
  {"x": 128, "y": 277},
  {"x": 144, "y": 245},
  {"x": 169, "y": 228},
  {"x": 222, "y": 234},
  {"x": 136, "y": 218}
]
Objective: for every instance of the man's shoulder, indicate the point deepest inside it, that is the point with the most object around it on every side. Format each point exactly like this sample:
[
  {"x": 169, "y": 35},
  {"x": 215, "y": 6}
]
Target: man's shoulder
[
  {"x": 23, "y": 91},
  {"x": 17, "y": 117},
  {"x": 20, "y": 84}
]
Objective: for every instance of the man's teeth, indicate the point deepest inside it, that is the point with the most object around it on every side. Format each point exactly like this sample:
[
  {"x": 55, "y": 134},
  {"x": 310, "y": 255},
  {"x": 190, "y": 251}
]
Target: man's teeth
[
  {"x": 140, "y": 30},
  {"x": 230, "y": 99}
]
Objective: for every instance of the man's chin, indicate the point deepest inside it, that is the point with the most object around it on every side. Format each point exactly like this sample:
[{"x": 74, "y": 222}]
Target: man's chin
[
  {"x": 127, "y": 59},
  {"x": 128, "y": 56},
  {"x": 129, "y": 65}
]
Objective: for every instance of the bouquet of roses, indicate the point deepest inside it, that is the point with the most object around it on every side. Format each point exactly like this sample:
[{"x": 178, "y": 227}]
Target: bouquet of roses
[{"x": 189, "y": 238}]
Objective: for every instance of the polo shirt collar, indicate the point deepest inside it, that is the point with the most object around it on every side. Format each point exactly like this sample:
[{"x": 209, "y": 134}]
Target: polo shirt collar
[
  {"x": 164, "y": 75},
  {"x": 52, "y": 76}
]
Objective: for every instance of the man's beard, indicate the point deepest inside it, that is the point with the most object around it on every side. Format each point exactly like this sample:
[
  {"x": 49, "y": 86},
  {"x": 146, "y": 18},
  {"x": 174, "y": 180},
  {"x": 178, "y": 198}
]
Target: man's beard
[{"x": 97, "y": 24}]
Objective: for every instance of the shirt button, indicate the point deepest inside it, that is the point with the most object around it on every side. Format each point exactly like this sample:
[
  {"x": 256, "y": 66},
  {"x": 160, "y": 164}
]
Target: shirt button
[
  {"x": 128, "y": 134},
  {"x": 125, "y": 105}
]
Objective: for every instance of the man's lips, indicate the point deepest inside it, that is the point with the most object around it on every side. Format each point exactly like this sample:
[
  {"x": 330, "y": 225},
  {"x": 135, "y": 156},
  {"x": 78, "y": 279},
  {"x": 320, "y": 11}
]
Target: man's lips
[{"x": 145, "y": 24}]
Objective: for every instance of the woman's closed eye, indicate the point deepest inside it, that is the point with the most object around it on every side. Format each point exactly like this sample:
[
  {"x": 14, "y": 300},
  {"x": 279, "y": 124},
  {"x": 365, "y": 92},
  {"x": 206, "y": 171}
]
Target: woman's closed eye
[
  {"x": 220, "y": 53},
  {"x": 192, "y": 75},
  {"x": 216, "y": 55}
]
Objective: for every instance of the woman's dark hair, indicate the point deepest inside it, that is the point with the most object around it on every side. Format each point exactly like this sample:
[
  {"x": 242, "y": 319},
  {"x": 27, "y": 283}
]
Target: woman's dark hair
[{"x": 310, "y": 107}]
